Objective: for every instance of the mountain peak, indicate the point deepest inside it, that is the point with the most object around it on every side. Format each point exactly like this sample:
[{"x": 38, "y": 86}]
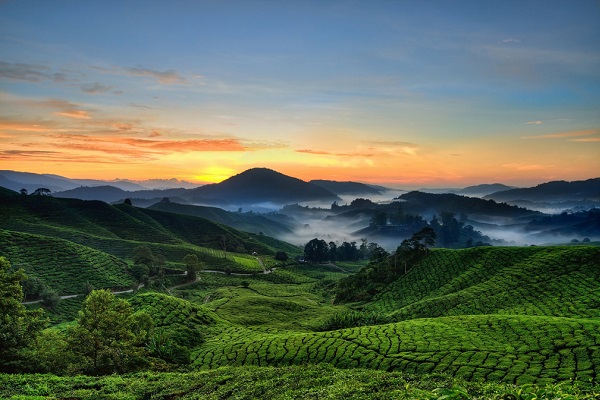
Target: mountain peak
[{"x": 257, "y": 185}]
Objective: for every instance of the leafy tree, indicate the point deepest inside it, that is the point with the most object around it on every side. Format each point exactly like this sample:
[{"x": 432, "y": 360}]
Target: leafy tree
[
  {"x": 23, "y": 192},
  {"x": 18, "y": 326},
  {"x": 379, "y": 219},
  {"x": 332, "y": 252},
  {"x": 316, "y": 251},
  {"x": 32, "y": 287},
  {"x": 281, "y": 256},
  {"x": 108, "y": 337},
  {"x": 142, "y": 256},
  {"x": 128, "y": 202},
  {"x": 52, "y": 353},
  {"x": 191, "y": 262},
  {"x": 50, "y": 298},
  {"x": 41, "y": 192}
]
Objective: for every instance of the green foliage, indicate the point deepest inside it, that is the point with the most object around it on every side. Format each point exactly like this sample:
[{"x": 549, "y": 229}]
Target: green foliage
[
  {"x": 108, "y": 337},
  {"x": 383, "y": 269},
  {"x": 18, "y": 326},
  {"x": 353, "y": 318},
  {"x": 284, "y": 383}
]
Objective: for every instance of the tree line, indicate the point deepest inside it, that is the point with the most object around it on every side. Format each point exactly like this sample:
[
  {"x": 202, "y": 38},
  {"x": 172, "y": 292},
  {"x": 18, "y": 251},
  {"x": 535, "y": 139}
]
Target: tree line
[
  {"x": 108, "y": 336},
  {"x": 318, "y": 250}
]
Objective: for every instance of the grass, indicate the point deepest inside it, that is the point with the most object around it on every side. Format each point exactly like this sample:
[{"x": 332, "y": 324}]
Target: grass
[
  {"x": 295, "y": 382},
  {"x": 511, "y": 349}
]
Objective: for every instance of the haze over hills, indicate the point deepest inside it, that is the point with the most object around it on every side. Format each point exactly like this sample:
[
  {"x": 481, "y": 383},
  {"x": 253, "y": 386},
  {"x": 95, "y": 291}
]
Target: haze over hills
[
  {"x": 270, "y": 225},
  {"x": 15, "y": 180},
  {"x": 348, "y": 188},
  {"x": 555, "y": 191}
]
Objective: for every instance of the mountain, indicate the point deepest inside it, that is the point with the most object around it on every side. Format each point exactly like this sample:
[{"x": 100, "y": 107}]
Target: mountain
[
  {"x": 347, "y": 188},
  {"x": 471, "y": 191},
  {"x": 111, "y": 194},
  {"x": 556, "y": 191},
  {"x": 162, "y": 184},
  {"x": 102, "y": 193},
  {"x": 483, "y": 189},
  {"x": 260, "y": 185},
  {"x": 249, "y": 222},
  {"x": 15, "y": 180},
  {"x": 424, "y": 203}
]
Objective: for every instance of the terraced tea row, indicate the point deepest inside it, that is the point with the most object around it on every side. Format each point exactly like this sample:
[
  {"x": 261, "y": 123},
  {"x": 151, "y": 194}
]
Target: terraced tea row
[
  {"x": 511, "y": 349},
  {"x": 64, "y": 266},
  {"x": 558, "y": 281}
]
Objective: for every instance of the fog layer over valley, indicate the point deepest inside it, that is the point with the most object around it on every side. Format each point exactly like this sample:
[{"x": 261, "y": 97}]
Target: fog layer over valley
[{"x": 263, "y": 201}]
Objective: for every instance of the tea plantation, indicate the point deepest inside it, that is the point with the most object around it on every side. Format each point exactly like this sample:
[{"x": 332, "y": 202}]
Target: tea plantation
[{"x": 487, "y": 322}]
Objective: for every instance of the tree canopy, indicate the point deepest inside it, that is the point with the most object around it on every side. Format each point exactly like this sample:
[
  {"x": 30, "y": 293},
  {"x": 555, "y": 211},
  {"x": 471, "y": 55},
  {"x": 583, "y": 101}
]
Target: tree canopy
[{"x": 19, "y": 327}]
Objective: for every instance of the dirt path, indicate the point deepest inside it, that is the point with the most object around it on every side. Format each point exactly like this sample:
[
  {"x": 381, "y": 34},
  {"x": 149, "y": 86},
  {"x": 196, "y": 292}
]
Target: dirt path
[{"x": 168, "y": 289}]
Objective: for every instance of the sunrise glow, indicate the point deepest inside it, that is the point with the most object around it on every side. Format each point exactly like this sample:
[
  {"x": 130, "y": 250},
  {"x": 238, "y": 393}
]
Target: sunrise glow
[{"x": 396, "y": 93}]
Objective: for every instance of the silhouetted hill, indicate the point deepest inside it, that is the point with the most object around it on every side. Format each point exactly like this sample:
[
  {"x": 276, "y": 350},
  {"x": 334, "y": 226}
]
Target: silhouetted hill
[
  {"x": 556, "y": 191},
  {"x": 483, "y": 189},
  {"x": 102, "y": 193},
  {"x": 111, "y": 194},
  {"x": 16, "y": 180},
  {"x": 260, "y": 185},
  {"x": 345, "y": 188},
  {"x": 249, "y": 222},
  {"x": 424, "y": 203}
]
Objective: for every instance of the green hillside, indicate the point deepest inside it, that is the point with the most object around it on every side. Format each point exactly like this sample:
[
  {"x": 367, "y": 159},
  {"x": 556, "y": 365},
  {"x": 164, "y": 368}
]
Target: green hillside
[
  {"x": 249, "y": 222},
  {"x": 510, "y": 315},
  {"x": 527, "y": 315},
  {"x": 547, "y": 281},
  {"x": 63, "y": 266}
]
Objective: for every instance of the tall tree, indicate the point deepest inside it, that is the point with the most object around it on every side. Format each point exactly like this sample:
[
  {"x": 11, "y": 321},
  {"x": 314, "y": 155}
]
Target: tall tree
[
  {"x": 316, "y": 251},
  {"x": 108, "y": 337},
  {"x": 18, "y": 326},
  {"x": 191, "y": 263}
]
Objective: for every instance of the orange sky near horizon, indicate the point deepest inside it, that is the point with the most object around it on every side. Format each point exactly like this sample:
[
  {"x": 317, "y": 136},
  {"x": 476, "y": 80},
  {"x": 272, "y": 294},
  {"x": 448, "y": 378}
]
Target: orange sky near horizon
[{"x": 402, "y": 94}]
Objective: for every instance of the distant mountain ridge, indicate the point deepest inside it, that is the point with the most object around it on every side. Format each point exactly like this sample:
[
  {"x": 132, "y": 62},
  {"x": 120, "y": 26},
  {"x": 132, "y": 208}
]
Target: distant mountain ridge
[
  {"x": 554, "y": 191},
  {"x": 347, "y": 188},
  {"x": 15, "y": 180}
]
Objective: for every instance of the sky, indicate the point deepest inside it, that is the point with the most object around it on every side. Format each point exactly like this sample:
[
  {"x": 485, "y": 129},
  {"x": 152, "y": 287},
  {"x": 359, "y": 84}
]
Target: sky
[{"x": 395, "y": 92}]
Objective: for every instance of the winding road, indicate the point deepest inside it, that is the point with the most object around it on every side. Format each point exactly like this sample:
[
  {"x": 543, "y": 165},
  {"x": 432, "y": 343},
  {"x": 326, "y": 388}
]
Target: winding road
[{"x": 209, "y": 271}]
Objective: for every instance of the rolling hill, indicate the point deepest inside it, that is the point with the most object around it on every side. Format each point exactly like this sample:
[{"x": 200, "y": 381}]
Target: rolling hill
[
  {"x": 66, "y": 242},
  {"x": 249, "y": 222}
]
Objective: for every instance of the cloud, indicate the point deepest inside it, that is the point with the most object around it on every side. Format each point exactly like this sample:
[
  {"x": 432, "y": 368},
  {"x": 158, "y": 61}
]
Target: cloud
[
  {"x": 328, "y": 153},
  {"x": 535, "y": 122},
  {"x": 562, "y": 135},
  {"x": 140, "y": 106},
  {"x": 148, "y": 145},
  {"x": 30, "y": 72},
  {"x": 95, "y": 88},
  {"x": 168, "y": 77},
  {"x": 79, "y": 114},
  {"x": 592, "y": 139},
  {"x": 527, "y": 167},
  {"x": 394, "y": 146},
  {"x": 510, "y": 41}
]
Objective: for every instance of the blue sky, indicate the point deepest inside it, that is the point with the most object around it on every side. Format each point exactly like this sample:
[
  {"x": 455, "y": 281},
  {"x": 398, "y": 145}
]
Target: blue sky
[{"x": 405, "y": 93}]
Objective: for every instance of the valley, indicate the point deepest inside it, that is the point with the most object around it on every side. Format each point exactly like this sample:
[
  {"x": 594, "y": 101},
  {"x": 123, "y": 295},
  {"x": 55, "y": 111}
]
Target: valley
[{"x": 484, "y": 318}]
